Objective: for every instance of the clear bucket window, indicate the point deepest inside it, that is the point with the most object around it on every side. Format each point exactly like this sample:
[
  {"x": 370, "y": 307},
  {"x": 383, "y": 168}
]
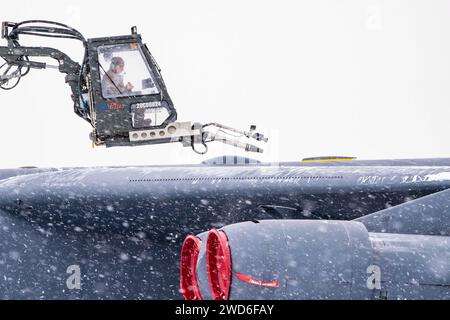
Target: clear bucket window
[{"x": 124, "y": 71}]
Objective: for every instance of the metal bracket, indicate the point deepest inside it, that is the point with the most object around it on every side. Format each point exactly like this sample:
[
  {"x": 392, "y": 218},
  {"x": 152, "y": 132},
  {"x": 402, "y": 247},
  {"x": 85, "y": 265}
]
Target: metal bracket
[
  {"x": 5, "y": 29},
  {"x": 174, "y": 131}
]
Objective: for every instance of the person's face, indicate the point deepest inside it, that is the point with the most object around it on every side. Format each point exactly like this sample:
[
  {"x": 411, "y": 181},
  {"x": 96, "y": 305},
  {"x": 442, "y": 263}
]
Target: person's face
[{"x": 120, "y": 67}]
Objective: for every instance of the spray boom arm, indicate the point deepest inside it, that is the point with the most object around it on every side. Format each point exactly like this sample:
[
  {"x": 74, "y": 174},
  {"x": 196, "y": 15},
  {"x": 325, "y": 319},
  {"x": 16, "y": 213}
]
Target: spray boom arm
[{"x": 121, "y": 115}]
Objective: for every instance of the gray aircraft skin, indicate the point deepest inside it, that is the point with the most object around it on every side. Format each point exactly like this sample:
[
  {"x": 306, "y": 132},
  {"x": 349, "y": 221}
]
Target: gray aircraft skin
[
  {"x": 329, "y": 259},
  {"x": 123, "y": 227}
]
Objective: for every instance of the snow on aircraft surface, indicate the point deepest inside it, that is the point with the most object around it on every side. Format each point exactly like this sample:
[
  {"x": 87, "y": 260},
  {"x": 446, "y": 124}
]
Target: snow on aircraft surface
[
  {"x": 322, "y": 228},
  {"x": 122, "y": 228}
]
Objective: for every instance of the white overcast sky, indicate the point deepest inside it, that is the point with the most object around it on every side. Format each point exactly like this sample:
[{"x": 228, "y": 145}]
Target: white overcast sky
[{"x": 360, "y": 78}]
